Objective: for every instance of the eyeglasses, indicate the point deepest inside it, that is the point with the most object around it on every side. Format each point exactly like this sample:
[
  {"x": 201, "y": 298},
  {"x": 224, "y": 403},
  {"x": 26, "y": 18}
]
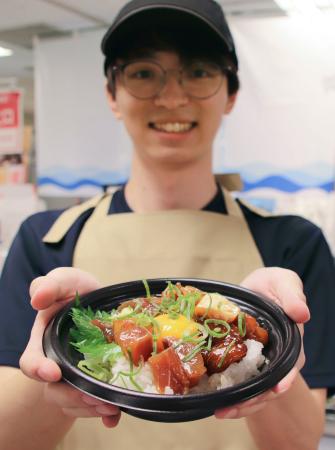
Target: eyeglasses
[{"x": 146, "y": 79}]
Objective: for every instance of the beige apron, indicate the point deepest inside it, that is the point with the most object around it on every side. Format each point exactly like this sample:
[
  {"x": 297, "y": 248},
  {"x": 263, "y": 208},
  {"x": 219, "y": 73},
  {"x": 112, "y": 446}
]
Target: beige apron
[{"x": 181, "y": 243}]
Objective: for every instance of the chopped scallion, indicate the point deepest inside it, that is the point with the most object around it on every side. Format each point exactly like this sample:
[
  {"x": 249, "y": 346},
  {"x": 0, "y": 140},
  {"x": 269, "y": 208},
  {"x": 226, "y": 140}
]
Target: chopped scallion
[
  {"x": 242, "y": 328},
  {"x": 215, "y": 333},
  {"x": 227, "y": 350},
  {"x": 147, "y": 289}
]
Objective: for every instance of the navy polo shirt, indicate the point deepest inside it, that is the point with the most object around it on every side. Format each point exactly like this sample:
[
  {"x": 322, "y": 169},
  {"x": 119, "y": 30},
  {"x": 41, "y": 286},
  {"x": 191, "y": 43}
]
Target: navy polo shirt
[{"x": 284, "y": 241}]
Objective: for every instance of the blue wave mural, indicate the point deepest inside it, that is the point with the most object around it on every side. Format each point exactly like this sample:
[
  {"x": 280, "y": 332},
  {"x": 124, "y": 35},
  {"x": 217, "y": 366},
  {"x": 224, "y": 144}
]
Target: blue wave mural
[
  {"x": 255, "y": 176},
  {"x": 45, "y": 181},
  {"x": 74, "y": 179},
  {"x": 284, "y": 184}
]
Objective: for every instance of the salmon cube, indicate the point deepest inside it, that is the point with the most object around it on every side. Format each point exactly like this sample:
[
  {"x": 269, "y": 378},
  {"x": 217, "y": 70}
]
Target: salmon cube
[
  {"x": 135, "y": 341},
  {"x": 168, "y": 372},
  {"x": 194, "y": 367},
  {"x": 223, "y": 355}
]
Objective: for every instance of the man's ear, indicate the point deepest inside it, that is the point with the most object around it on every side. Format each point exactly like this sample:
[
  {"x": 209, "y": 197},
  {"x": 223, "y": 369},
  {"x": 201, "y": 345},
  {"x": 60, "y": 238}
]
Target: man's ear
[
  {"x": 113, "y": 103},
  {"x": 231, "y": 103}
]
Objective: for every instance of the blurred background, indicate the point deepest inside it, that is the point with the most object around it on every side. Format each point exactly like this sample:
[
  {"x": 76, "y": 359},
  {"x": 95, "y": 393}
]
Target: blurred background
[{"x": 60, "y": 144}]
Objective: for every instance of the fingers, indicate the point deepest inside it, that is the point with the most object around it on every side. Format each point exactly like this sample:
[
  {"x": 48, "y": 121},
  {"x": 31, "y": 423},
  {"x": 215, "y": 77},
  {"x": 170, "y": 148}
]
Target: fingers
[
  {"x": 49, "y": 294},
  {"x": 67, "y": 397},
  {"x": 76, "y": 404},
  {"x": 60, "y": 284},
  {"x": 282, "y": 286},
  {"x": 247, "y": 408},
  {"x": 111, "y": 421},
  {"x": 33, "y": 363},
  {"x": 238, "y": 413},
  {"x": 286, "y": 383}
]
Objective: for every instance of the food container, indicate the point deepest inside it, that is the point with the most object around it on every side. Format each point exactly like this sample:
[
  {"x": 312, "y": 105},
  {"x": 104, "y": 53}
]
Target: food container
[{"x": 282, "y": 352}]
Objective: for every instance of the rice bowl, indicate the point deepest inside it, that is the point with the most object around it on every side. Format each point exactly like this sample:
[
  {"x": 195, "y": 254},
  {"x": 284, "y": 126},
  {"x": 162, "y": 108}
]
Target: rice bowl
[{"x": 217, "y": 391}]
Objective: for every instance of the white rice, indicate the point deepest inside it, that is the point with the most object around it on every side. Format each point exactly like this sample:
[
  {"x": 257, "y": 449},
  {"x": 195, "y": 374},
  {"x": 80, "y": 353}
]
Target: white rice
[{"x": 235, "y": 373}]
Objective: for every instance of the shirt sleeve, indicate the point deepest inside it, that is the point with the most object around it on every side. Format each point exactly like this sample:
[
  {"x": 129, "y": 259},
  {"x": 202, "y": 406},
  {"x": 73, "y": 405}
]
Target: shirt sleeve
[
  {"x": 311, "y": 258},
  {"x": 16, "y": 315},
  {"x": 27, "y": 259},
  {"x": 295, "y": 243}
]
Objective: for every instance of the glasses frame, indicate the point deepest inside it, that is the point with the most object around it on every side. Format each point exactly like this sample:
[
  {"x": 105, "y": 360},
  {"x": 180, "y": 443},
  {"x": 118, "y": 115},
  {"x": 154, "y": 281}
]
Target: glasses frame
[{"x": 119, "y": 69}]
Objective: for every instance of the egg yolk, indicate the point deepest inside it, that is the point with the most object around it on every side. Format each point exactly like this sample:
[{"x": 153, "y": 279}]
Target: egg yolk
[{"x": 177, "y": 328}]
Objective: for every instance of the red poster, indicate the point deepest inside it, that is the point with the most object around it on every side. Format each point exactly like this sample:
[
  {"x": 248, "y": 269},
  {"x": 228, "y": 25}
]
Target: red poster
[{"x": 10, "y": 122}]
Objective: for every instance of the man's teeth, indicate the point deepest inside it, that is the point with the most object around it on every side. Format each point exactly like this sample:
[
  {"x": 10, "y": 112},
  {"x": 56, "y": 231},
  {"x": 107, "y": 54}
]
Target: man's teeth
[{"x": 173, "y": 127}]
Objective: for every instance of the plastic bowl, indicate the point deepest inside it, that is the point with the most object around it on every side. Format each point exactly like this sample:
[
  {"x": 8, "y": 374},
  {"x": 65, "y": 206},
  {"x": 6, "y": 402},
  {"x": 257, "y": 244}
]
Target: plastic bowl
[{"x": 282, "y": 352}]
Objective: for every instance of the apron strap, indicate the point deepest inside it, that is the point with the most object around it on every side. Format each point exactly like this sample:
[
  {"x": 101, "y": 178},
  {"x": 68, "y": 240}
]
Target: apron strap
[
  {"x": 67, "y": 219},
  {"x": 102, "y": 208},
  {"x": 232, "y": 206},
  {"x": 230, "y": 181}
]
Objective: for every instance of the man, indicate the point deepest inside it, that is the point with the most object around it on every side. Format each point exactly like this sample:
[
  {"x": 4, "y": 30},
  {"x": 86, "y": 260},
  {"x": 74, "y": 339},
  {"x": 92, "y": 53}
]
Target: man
[{"x": 171, "y": 71}]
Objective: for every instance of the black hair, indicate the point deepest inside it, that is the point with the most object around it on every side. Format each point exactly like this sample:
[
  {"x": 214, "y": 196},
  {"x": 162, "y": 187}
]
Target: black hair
[{"x": 187, "y": 44}]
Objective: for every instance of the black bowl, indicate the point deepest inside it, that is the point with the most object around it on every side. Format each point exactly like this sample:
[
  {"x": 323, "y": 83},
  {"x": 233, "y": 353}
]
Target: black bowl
[{"x": 282, "y": 352}]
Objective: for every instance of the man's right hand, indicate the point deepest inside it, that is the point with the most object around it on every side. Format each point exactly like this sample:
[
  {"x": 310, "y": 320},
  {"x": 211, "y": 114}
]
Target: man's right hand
[{"x": 49, "y": 294}]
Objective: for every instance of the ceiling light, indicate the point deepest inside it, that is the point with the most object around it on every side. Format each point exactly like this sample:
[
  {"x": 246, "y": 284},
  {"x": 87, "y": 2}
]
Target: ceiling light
[{"x": 5, "y": 51}]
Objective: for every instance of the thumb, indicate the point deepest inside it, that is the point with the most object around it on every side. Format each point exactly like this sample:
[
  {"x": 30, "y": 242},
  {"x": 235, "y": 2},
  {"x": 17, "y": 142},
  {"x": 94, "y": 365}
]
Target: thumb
[
  {"x": 284, "y": 287},
  {"x": 60, "y": 285}
]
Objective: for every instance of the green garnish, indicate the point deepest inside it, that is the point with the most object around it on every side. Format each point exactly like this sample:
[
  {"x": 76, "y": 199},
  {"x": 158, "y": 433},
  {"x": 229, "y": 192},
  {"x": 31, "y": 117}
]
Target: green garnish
[
  {"x": 227, "y": 350},
  {"x": 131, "y": 374},
  {"x": 208, "y": 308},
  {"x": 214, "y": 333},
  {"x": 77, "y": 300},
  {"x": 209, "y": 345},
  {"x": 194, "y": 351},
  {"x": 147, "y": 290},
  {"x": 242, "y": 326},
  {"x": 155, "y": 335}
]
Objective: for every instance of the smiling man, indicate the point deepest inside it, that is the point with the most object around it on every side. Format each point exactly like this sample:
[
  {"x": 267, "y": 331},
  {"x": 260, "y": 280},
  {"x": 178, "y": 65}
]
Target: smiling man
[{"x": 172, "y": 76}]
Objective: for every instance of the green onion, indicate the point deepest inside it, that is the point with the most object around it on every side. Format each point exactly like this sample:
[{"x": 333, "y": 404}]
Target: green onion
[
  {"x": 217, "y": 322},
  {"x": 242, "y": 327},
  {"x": 209, "y": 345},
  {"x": 129, "y": 374},
  {"x": 77, "y": 300},
  {"x": 155, "y": 336},
  {"x": 147, "y": 290},
  {"x": 208, "y": 308},
  {"x": 190, "y": 299},
  {"x": 170, "y": 287},
  {"x": 138, "y": 387},
  {"x": 193, "y": 352},
  {"x": 131, "y": 363},
  {"x": 122, "y": 379},
  {"x": 227, "y": 350}
]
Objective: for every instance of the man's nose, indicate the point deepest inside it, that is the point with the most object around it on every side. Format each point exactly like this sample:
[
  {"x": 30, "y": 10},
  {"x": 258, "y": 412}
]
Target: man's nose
[{"x": 173, "y": 94}]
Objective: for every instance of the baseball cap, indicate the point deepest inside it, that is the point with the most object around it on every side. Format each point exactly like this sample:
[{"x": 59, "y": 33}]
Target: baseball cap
[{"x": 204, "y": 16}]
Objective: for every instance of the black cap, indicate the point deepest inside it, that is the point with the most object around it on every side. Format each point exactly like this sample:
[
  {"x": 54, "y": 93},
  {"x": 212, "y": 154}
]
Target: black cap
[{"x": 206, "y": 14}]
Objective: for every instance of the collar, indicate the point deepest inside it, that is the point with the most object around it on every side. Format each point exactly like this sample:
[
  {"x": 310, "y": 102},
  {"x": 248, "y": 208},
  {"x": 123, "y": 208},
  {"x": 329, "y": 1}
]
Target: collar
[{"x": 119, "y": 203}]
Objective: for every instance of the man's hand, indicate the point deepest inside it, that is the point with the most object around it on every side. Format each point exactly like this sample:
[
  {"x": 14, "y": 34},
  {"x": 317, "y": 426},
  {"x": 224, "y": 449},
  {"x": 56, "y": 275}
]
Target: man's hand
[
  {"x": 48, "y": 295},
  {"x": 285, "y": 288}
]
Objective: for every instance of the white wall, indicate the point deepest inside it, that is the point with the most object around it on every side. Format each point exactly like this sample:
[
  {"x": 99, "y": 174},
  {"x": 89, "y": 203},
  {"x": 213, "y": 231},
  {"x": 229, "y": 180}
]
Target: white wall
[{"x": 280, "y": 135}]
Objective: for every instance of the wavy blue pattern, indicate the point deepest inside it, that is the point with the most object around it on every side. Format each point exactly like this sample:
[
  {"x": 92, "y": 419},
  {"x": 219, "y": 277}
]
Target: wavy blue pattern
[
  {"x": 255, "y": 175},
  {"x": 284, "y": 184},
  {"x": 309, "y": 175},
  {"x": 274, "y": 182},
  {"x": 43, "y": 181}
]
